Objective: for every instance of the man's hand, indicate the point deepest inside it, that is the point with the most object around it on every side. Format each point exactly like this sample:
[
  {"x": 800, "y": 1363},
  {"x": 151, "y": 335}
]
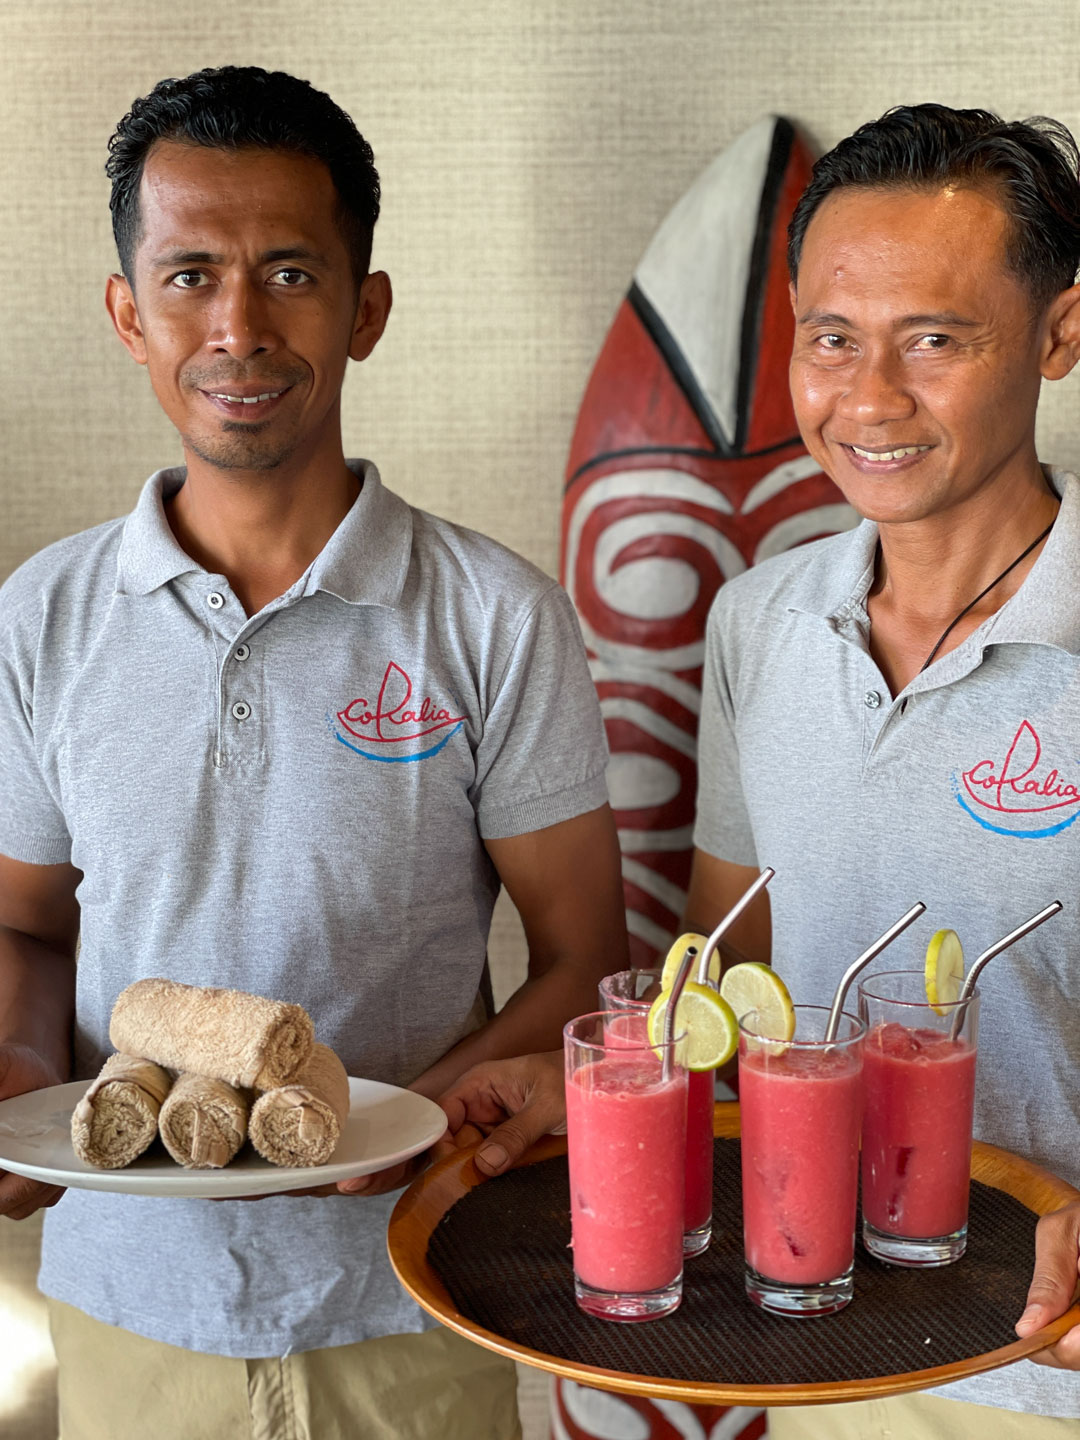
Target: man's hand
[
  {"x": 381, "y": 1181},
  {"x": 1054, "y": 1286},
  {"x": 514, "y": 1102},
  {"x": 22, "y": 1070}
]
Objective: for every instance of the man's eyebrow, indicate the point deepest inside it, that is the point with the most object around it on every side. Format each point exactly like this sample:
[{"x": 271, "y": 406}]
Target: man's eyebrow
[
  {"x": 942, "y": 317},
  {"x": 948, "y": 318},
  {"x": 177, "y": 259}
]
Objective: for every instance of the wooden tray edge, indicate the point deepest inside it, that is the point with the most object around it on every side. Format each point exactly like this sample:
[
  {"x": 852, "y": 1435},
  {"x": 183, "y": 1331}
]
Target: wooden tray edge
[{"x": 429, "y": 1197}]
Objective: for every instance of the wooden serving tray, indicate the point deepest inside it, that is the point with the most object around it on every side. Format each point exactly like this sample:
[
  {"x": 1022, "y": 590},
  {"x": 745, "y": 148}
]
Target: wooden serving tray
[{"x": 427, "y": 1202}]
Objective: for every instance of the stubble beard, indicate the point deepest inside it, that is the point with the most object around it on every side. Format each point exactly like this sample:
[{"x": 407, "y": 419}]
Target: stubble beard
[{"x": 240, "y": 447}]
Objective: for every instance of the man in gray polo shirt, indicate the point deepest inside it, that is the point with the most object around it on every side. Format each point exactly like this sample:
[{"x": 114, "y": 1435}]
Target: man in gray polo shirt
[
  {"x": 279, "y": 731},
  {"x": 890, "y": 715}
]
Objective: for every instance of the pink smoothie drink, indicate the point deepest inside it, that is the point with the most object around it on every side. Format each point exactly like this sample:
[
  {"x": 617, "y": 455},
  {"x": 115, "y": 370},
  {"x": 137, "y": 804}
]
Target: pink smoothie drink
[
  {"x": 626, "y": 1133},
  {"x": 916, "y": 1156},
  {"x": 630, "y": 1027},
  {"x": 800, "y": 1117}
]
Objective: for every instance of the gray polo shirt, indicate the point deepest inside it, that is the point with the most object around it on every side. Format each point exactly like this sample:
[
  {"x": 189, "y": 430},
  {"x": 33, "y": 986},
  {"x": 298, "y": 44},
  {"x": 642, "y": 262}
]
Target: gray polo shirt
[
  {"x": 966, "y": 797},
  {"x": 292, "y": 804}
]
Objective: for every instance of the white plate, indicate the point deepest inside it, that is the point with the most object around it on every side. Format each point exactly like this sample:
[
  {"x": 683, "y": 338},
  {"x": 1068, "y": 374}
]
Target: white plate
[{"x": 386, "y": 1124}]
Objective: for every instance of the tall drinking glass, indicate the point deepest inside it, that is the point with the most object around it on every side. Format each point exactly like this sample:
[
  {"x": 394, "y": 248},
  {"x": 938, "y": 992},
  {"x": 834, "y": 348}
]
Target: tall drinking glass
[
  {"x": 801, "y": 1106},
  {"x": 634, "y": 991},
  {"x": 920, "y": 1098},
  {"x": 626, "y": 1135}
]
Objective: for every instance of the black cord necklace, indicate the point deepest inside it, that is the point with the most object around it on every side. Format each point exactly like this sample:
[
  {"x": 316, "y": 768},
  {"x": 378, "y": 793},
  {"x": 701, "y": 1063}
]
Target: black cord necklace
[{"x": 1008, "y": 570}]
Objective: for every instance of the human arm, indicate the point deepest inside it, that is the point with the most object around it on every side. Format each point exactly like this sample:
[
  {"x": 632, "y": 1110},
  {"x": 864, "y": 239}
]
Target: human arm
[
  {"x": 566, "y": 883},
  {"x": 39, "y": 926},
  {"x": 1054, "y": 1285}
]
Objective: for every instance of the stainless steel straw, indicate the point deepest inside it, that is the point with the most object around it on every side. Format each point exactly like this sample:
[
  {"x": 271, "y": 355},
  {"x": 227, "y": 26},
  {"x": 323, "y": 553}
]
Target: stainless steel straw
[
  {"x": 681, "y": 978},
  {"x": 727, "y": 922},
  {"x": 988, "y": 955},
  {"x": 864, "y": 959}
]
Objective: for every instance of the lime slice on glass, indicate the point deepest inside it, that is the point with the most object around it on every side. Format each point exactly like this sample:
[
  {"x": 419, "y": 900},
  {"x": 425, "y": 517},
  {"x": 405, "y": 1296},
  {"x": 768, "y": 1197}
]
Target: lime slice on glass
[
  {"x": 756, "y": 988},
  {"x": 944, "y": 970},
  {"x": 675, "y": 958},
  {"x": 712, "y": 1032}
]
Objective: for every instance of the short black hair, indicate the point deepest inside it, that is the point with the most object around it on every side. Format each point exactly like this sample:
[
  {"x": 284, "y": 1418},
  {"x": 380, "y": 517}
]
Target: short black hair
[
  {"x": 234, "y": 107},
  {"x": 1030, "y": 166}
]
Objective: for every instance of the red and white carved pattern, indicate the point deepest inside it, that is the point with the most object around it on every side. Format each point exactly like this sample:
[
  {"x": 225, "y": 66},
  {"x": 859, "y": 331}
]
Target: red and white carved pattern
[
  {"x": 666, "y": 499},
  {"x": 578, "y": 1413}
]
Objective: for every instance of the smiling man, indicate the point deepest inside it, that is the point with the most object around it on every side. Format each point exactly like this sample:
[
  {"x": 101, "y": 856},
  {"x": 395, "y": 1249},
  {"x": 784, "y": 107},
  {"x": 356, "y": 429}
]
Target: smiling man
[
  {"x": 891, "y": 715},
  {"x": 279, "y": 731}
]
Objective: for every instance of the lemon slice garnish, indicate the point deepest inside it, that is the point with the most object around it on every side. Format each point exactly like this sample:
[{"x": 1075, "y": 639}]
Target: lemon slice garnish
[
  {"x": 944, "y": 970},
  {"x": 757, "y": 989},
  {"x": 675, "y": 958},
  {"x": 712, "y": 1032}
]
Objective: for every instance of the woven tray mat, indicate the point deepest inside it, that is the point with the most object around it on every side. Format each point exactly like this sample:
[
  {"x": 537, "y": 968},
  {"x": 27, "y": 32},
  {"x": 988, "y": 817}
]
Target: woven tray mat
[{"x": 501, "y": 1251}]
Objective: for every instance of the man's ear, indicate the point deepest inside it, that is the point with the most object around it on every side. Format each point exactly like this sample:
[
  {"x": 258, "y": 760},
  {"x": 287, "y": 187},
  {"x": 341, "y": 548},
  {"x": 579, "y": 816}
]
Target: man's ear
[
  {"x": 372, "y": 313},
  {"x": 791, "y": 296},
  {"x": 1061, "y": 335},
  {"x": 120, "y": 303}
]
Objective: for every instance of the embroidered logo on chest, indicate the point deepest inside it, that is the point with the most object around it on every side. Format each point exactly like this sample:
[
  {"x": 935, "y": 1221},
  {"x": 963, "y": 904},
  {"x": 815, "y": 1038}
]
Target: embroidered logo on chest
[
  {"x": 1021, "y": 792},
  {"x": 395, "y": 728}
]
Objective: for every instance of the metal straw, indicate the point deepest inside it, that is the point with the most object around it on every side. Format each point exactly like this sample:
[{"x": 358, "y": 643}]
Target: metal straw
[
  {"x": 988, "y": 955},
  {"x": 864, "y": 959},
  {"x": 669, "y": 1014},
  {"x": 727, "y": 922}
]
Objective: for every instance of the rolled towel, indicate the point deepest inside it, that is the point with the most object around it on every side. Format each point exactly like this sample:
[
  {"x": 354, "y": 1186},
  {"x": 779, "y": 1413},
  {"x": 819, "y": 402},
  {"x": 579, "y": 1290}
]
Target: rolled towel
[
  {"x": 300, "y": 1123},
  {"x": 245, "y": 1040},
  {"x": 203, "y": 1122},
  {"x": 117, "y": 1118}
]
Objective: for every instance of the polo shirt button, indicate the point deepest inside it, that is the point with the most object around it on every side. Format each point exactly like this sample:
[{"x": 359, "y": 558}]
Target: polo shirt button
[
  {"x": 871, "y": 699},
  {"x": 241, "y": 652},
  {"x": 241, "y": 710},
  {"x": 215, "y": 600}
]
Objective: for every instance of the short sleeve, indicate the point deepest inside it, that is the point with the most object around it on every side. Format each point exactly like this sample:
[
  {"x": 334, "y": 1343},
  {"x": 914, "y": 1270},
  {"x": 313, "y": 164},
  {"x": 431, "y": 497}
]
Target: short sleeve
[
  {"x": 542, "y": 756},
  {"x": 32, "y": 827},
  {"x": 722, "y": 826}
]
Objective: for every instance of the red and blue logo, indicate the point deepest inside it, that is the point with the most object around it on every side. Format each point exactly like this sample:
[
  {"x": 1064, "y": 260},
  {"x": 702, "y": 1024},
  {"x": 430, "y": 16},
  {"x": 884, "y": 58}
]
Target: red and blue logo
[
  {"x": 393, "y": 728},
  {"x": 1020, "y": 794}
]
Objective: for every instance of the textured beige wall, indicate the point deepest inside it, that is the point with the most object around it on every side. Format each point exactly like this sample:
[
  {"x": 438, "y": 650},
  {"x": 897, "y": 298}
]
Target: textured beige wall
[{"x": 528, "y": 151}]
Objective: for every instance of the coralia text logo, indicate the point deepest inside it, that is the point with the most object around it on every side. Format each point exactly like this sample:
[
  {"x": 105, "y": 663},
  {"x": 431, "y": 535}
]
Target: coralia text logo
[
  {"x": 394, "y": 730},
  {"x": 1019, "y": 795}
]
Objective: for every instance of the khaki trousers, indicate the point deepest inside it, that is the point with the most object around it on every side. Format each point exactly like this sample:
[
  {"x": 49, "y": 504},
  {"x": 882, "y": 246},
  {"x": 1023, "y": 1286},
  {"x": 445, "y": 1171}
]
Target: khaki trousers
[
  {"x": 914, "y": 1417},
  {"x": 436, "y": 1386}
]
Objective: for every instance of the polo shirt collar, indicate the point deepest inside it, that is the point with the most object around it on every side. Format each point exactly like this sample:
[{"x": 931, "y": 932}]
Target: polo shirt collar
[
  {"x": 149, "y": 555},
  {"x": 1046, "y": 608},
  {"x": 842, "y": 598},
  {"x": 364, "y": 562}
]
